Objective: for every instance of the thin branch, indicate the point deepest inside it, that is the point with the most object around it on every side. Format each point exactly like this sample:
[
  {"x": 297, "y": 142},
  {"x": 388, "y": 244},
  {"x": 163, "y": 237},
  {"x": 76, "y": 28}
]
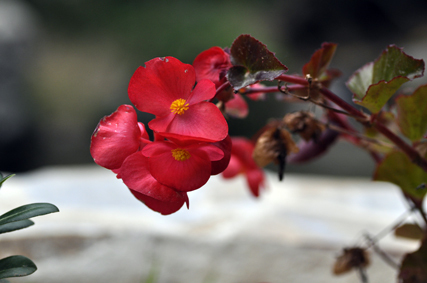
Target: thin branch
[
  {"x": 359, "y": 115},
  {"x": 357, "y": 135},
  {"x": 292, "y": 79},
  {"x": 387, "y": 259}
]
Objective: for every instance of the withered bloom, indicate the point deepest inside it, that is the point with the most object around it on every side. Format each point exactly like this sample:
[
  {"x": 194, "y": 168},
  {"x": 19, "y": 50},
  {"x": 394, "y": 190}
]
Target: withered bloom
[
  {"x": 352, "y": 258},
  {"x": 305, "y": 124},
  {"x": 273, "y": 146}
]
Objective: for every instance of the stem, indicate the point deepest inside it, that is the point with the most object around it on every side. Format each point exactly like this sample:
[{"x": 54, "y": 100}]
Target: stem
[
  {"x": 357, "y": 135},
  {"x": 418, "y": 205},
  {"x": 382, "y": 254},
  {"x": 268, "y": 89},
  {"x": 330, "y": 96},
  {"x": 292, "y": 79},
  {"x": 364, "y": 118}
]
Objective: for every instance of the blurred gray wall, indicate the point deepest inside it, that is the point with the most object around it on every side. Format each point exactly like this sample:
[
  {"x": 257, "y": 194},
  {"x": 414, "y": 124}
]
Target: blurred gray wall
[{"x": 66, "y": 64}]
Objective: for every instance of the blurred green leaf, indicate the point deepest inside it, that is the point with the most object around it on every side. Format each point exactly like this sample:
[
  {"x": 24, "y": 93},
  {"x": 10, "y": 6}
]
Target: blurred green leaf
[
  {"x": 252, "y": 62},
  {"x": 16, "y": 266},
  {"x": 12, "y": 226},
  {"x": 412, "y": 113},
  {"x": 388, "y": 119},
  {"x": 320, "y": 60},
  {"x": 398, "y": 169},
  {"x": 414, "y": 266},
  {"x": 27, "y": 211},
  {"x": 3, "y": 179},
  {"x": 376, "y": 82}
]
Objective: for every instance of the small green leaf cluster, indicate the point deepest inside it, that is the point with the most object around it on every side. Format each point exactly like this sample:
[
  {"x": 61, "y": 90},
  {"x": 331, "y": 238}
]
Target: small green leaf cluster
[{"x": 15, "y": 219}]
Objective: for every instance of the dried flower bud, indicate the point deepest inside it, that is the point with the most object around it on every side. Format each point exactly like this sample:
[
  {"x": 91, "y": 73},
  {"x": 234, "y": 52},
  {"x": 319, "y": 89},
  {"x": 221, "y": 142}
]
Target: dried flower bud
[
  {"x": 273, "y": 146},
  {"x": 305, "y": 124},
  {"x": 351, "y": 258}
]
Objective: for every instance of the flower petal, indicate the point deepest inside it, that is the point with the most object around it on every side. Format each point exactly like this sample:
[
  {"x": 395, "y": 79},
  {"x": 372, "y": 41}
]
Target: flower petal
[
  {"x": 211, "y": 64},
  {"x": 204, "y": 90},
  {"x": 202, "y": 121},
  {"x": 220, "y": 165},
  {"x": 255, "y": 179},
  {"x": 233, "y": 169},
  {"x": 182, "y": 175},
  {"x": 137, "y": 178},
  {"x": 163, "y": 207},
  {"x": 153, "y": 89},
  {"x": 115, "y": 138},
  {"x": 237, "y": 107}
]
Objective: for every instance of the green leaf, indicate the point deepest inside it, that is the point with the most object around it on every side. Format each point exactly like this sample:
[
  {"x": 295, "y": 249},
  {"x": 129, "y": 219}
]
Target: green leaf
[
  {"x": 414, "y": 266},
  {"x": 252, "y": 62},
  {"x": 412, "y": 113},
  {"x": 16, "y": 266},
  {"x": 376, "y": 82},
  {"x": 378, "y": 94},
  {"x": 27, "y": 211},
  {"x": 320, "y": 60},
  {"x": 3, "y": 179},
  {"x": 13, "y": 226},
  {"x": 398, "y": 169}
]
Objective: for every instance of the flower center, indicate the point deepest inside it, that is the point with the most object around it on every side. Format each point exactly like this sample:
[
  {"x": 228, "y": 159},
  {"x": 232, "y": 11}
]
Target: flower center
[
  {"x": 180, "y": 154},
  {"x": 179, "y": 106}
]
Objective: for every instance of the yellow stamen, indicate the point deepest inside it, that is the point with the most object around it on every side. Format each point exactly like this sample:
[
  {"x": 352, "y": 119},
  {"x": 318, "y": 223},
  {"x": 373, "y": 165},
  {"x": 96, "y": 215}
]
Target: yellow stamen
[
  {"x": 180, "y": 154},
  {"x": 179, "y": 106}
]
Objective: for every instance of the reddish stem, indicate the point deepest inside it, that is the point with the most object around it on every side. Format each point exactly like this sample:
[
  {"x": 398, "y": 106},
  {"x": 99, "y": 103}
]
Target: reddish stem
[
  {"x": 268, "y": 89},
  {"x": 292, "y": 79},
  {"x": 364, "y": 119},
  {"x": 329, "y": 95}
]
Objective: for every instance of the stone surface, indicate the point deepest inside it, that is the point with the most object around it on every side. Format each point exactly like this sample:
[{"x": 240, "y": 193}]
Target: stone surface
[{"x": 293, "y": 233}]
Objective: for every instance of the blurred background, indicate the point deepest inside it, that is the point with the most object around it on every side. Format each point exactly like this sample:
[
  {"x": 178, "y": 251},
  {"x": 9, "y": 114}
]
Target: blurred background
[{"x": 66, "y": 64}]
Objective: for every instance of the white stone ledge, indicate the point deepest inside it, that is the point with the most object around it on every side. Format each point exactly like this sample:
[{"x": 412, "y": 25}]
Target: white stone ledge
[{"x": 297, "y": 225}]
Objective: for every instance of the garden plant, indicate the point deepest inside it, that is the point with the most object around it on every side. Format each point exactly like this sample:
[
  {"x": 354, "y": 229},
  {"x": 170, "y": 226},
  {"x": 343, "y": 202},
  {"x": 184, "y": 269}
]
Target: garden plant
[
  {"x": 188, "y": 140},
  {"x": 16, "y": 219}
]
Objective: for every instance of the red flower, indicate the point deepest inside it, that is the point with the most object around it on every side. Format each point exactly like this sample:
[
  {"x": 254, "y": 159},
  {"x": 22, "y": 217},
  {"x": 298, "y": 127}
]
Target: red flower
[
  {"x": 241, "y": 162},
  {"x": 146, "y": 188},
  {"x": 212, "y": 64},
  {"x": 182, "y": 167},
  {"x": 116, "y": 137},
  {"x": 237, "y": 107},
  {"x": 191, "y": 136},
  {"x": 115, "y": 145},
  {"x": 220, "y": 165},
  {"x": 165, "y": 88}
]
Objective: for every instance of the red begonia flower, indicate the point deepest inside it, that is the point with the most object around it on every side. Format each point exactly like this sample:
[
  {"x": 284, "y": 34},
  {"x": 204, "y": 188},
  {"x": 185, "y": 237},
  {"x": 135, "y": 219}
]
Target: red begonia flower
[
  {"x": 116, "y": 137},
  {"x": 165, "y": 88},
  {"x": 237, "y": 107},
  {"x": 212, "y": 64},
  {"x": 182, "y": 167},
  {"x": 220, "y": 165},
  {"x": 158, "y": 197},
  {"x": 241, "y": 161}
]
